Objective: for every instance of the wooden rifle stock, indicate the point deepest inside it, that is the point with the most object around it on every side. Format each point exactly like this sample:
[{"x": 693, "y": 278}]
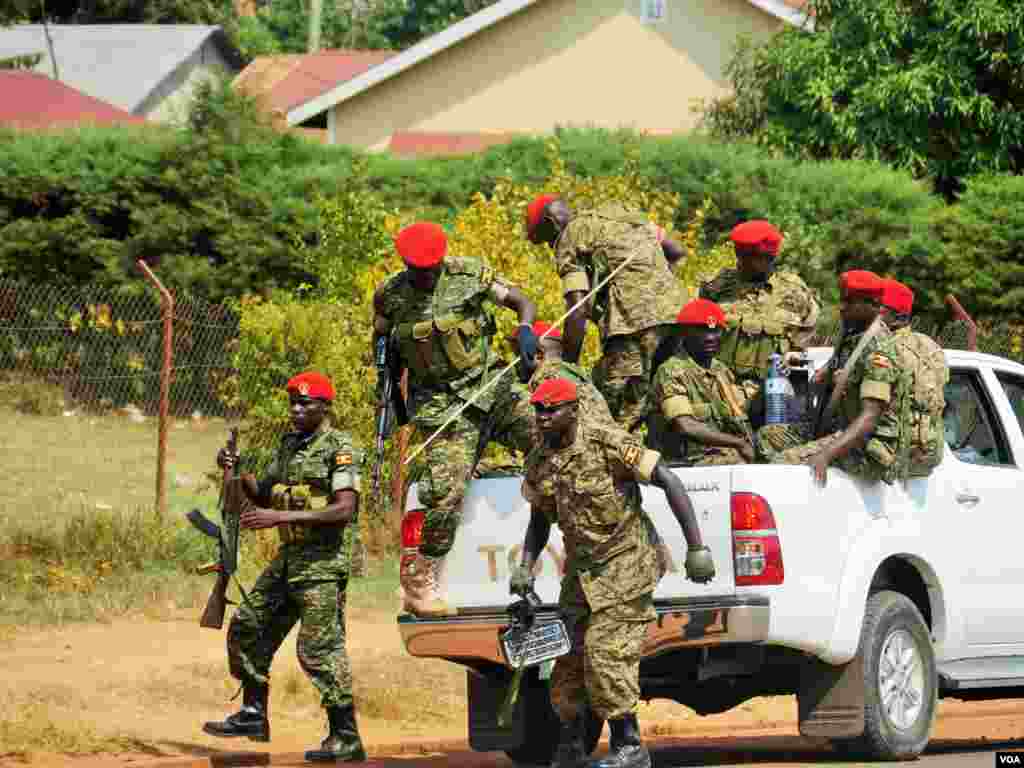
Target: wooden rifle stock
[{"x": 216, "y": 604}]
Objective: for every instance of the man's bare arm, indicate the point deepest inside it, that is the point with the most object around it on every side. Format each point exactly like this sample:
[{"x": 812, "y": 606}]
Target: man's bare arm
[
  {"x": 342, "y": 509},
  {"x": 702, "y": 433},
  {"x": 575, "y": 326},
  {"x": 679, "y": 503},
  {"x": 522, "y": 304}
]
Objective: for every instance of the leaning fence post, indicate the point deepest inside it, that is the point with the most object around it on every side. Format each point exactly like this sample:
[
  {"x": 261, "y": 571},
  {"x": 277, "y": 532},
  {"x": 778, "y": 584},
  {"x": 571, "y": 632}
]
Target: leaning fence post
[
  {"x": 167, "y": 307},
  {"x": 961, "y": 314}
]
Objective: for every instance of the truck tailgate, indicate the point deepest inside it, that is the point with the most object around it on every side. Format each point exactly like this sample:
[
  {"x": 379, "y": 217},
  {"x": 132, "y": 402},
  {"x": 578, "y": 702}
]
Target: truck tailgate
[{"x": 495, "y": 515}]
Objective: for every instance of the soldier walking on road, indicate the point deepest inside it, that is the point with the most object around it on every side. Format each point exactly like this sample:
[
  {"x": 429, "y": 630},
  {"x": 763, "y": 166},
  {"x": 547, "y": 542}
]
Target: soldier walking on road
[
  {"x": 633, "y": 311},
  {"x": 584, "y": 477},
  {"x": 864, "y": 438},
  {"x": 696, "y": 396},
  {"x": 310, "y": 493},
  {"x": 766, "y": 311},
  {"x": 435, "y": 311},
  {"x": 920, "y": 356}
]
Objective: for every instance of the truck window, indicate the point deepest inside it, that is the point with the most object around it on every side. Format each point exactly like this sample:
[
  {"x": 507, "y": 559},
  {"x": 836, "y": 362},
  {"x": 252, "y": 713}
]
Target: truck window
[
  {"x": 973, "y": 434},
  {"x": 1013, "y": 386}
]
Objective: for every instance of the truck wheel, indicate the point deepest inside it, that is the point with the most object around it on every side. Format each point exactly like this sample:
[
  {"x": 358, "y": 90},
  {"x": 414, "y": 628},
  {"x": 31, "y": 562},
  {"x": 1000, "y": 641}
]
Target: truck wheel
[
  {"x": 900, "y": 680},
  {"x": 542, "y": 727}
]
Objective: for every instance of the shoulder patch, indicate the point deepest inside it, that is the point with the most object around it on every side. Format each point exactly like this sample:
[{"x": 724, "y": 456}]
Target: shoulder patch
[
  {"x": 880, "y": 361},
  {"x": 631, "y": 454},
  {"x": 342, "y": 458},
  {"x": 464, "y": 265}
]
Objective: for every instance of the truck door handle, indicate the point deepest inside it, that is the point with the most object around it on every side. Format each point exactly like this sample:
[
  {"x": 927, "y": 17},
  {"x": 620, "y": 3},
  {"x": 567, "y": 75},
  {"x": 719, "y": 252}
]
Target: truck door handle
[{"x": 965, "y": 497}]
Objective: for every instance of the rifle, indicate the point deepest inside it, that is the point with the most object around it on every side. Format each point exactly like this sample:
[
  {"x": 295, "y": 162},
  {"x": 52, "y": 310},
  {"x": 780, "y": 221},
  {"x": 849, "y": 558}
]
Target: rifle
[
  {"x": 523, "y": 613},
  {"x": 828, "y": 408},
  {"x": 389, "y": 403},
  {"x": 232, "y": 497}
]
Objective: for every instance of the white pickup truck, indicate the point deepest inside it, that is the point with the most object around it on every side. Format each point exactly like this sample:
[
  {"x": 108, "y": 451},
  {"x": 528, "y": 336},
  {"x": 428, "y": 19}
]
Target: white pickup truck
[{"x": 868, "y": 602}]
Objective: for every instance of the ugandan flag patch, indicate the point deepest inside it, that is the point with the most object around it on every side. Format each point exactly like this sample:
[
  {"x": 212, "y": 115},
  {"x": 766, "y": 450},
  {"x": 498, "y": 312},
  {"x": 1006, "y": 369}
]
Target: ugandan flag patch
[
  {"x": 631, "y": 454},
  {"x": 880, "y": 361},
  {"x": 342, "y": 459}
]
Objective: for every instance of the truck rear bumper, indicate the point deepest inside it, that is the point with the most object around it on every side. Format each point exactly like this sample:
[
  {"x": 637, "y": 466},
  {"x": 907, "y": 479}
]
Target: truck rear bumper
[{"x": 473, "y": 633}]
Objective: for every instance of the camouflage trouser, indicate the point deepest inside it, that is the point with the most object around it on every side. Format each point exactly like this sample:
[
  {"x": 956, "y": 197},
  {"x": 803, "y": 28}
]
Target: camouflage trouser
[
  {"x": 623, "y": 374},
  {"x": 603, "y": 667},
  {"x": 448, "y": 461},
  {"x": 788, "y": 444},
  {"x": 319, "y": 606}
]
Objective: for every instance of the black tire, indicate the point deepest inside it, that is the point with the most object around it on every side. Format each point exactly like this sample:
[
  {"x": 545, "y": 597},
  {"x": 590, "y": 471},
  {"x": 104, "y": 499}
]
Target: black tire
[
  {"x": 542, "y": 727},
  {"x": 892, "y": 622}
]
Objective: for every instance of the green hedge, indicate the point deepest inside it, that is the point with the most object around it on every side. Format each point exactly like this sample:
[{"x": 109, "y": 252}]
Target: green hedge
[{"x": 225, "y": 217}]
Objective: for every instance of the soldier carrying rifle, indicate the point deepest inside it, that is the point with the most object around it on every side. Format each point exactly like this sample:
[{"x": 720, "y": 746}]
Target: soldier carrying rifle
[{"x": 310, "y": 493}]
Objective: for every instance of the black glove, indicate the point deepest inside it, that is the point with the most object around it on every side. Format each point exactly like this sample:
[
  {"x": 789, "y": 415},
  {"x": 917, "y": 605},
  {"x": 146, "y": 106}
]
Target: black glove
[{"x": 527, "y": 345}]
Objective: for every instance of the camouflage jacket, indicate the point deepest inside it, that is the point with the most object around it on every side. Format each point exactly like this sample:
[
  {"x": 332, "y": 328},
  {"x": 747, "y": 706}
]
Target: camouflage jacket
[
  {"x": 709, "y": 395},
  {"x": 761, "y": 318},
  {"x": 643, "y": 294},
  {"x": 591, "y": 402},
  {"x": 445, "y": 336},
  {"x": 306, "y": 472},
  {"x": 877, "y": 374},
  {"x": 590, "y": 489},
  {"x": 919, "y": 355}
]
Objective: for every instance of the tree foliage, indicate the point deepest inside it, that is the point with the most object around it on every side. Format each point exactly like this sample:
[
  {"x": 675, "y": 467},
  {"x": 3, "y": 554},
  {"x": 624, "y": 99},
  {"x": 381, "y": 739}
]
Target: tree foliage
[{"x": 934, "y": 87}]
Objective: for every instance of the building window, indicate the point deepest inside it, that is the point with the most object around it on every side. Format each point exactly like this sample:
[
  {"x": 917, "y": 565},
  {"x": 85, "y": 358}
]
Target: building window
[{"x": 652, "y": 11}]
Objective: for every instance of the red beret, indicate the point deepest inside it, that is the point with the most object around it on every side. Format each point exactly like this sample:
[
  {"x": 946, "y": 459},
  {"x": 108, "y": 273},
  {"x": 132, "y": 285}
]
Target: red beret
[
  {"x": 897, "y": 297},
  {"x": 701, "y": 312},
  {"x": 312, "y": 384},
  {"x": 422, "y": 244},
  {"x": 554, "y": 392},
  {"x": 860, "y": 282},
  {"x": 539, "y": 328},
  {"x": 757, "y": 234},
  {"x": 535, "y": 211}
]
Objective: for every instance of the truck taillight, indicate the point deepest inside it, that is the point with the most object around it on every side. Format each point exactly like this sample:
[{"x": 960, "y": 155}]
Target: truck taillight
[
  {"x": 412, "y": 529},
  {"x": 757, "y": 553}
]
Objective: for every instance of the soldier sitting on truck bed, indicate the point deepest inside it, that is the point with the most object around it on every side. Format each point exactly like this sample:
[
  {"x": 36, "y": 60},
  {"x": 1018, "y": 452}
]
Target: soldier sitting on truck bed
[
  {"x": 863, "y": 437},
  {"x": 696, "y": 396}
]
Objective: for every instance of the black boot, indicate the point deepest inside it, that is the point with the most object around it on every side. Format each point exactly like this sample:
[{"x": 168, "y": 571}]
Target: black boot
[
  {"x": 626, "y": 749},
  {"x": 251, "y": 720},
  {"x": 342, "y": 744},
  {"x": 570, "y": 752}
]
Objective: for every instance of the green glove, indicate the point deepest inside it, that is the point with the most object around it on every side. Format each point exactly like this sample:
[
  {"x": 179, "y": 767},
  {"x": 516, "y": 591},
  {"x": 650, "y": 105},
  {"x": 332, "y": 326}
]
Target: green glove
[
  {"x": 521, "y": 580},
  {"x": 700, "y": 567}
]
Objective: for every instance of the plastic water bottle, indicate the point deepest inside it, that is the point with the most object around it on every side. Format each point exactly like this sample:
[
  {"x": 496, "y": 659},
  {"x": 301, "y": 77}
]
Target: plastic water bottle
[{"x": 776, "y": 389}]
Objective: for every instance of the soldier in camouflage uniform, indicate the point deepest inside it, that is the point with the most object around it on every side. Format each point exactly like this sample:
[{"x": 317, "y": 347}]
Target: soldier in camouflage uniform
[
  {"x": 918, "y": 355},
  {"x": 436, "y": 312},
  {"x": 766, "y": 310},
  {"x": 310, "y": 493},
  {"x": 865, "y": 436},
  {"x": 584, "y": 478},
  {"x": 633, "y": 311},
  {"x": 696, "y": 396}
]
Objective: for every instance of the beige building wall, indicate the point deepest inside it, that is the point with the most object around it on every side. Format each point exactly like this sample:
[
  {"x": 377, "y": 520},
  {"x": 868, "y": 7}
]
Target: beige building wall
[{"x": 563, "y": 62}]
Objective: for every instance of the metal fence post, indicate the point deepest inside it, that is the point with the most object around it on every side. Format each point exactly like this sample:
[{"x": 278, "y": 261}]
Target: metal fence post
[{"x": 167, "y": 303}]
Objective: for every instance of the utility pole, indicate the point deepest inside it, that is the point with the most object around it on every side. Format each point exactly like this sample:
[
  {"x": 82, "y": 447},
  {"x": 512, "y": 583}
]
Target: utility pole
[{"x": 316, "y": 11}]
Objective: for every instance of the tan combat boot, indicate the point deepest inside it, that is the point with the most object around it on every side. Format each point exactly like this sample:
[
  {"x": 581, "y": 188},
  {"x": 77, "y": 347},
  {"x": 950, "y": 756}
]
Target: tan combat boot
[{"x": 421, "y": 584}]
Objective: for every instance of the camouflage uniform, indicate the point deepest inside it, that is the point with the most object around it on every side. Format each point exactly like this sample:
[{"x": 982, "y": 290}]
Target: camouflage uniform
[
  {"x": 877, "y": 375},
  {"x": 633, "y": 311},
  {"x": 612, "y": 564},
  {"x": 762, "y": 318},
  {"x": 709, "y": 395},
  {"x": 445, "y": 342},
  {"x": 307, "y": 579},
  {"x": 918, "y": 354}
]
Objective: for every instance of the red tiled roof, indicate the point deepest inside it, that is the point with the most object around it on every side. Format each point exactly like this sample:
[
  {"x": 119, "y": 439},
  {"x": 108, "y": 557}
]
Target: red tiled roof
[
  {"x": 426, "y": 143},
  {"x": 34, "y": 101},
  {"x": 283, "y": 82}
]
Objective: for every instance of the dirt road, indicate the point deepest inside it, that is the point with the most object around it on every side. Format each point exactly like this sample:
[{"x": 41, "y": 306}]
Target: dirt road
[{"x": 135, "y": 692}]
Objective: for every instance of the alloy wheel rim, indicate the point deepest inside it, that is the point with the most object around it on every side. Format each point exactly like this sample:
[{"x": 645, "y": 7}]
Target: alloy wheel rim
[{"x": 901, "y": 681}]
